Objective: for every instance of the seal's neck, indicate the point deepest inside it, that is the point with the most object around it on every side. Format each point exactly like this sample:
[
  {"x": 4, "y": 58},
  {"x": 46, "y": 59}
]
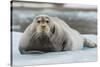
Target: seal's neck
[{"x": 43, "y": 37}]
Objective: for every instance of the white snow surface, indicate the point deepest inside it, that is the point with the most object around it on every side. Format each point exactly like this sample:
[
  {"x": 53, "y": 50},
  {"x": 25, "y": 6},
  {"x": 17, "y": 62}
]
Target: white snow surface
[{"x": 84, "y": 55}]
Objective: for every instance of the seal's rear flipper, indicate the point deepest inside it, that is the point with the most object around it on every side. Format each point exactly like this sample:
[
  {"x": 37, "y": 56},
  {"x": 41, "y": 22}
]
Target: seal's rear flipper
[{"x": 89, "y": 43}]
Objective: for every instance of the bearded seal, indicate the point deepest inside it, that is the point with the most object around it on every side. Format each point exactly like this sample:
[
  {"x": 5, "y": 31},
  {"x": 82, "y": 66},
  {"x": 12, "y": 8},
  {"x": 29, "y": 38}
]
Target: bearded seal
[{"x": 51, "y": 34}]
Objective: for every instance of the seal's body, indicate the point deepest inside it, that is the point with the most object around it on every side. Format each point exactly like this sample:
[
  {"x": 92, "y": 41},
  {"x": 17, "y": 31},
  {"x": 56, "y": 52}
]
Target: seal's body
[{"x": 51, "y": 34}]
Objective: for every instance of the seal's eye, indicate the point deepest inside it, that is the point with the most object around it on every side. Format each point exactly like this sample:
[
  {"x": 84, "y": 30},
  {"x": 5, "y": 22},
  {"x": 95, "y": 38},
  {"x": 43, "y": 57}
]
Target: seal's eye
[
  {"x": 47, "y": 21},
  {"x": 38, "y": 21}
]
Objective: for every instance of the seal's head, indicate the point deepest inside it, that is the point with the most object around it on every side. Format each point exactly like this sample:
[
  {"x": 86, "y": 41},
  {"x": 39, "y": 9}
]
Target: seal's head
[{"x": 42, "y": 23}]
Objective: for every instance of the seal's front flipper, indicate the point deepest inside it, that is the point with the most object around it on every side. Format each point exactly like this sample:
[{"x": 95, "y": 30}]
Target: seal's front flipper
[
  {"x": 31, "y": 52},
  {"x": 22, "y": 51}
]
